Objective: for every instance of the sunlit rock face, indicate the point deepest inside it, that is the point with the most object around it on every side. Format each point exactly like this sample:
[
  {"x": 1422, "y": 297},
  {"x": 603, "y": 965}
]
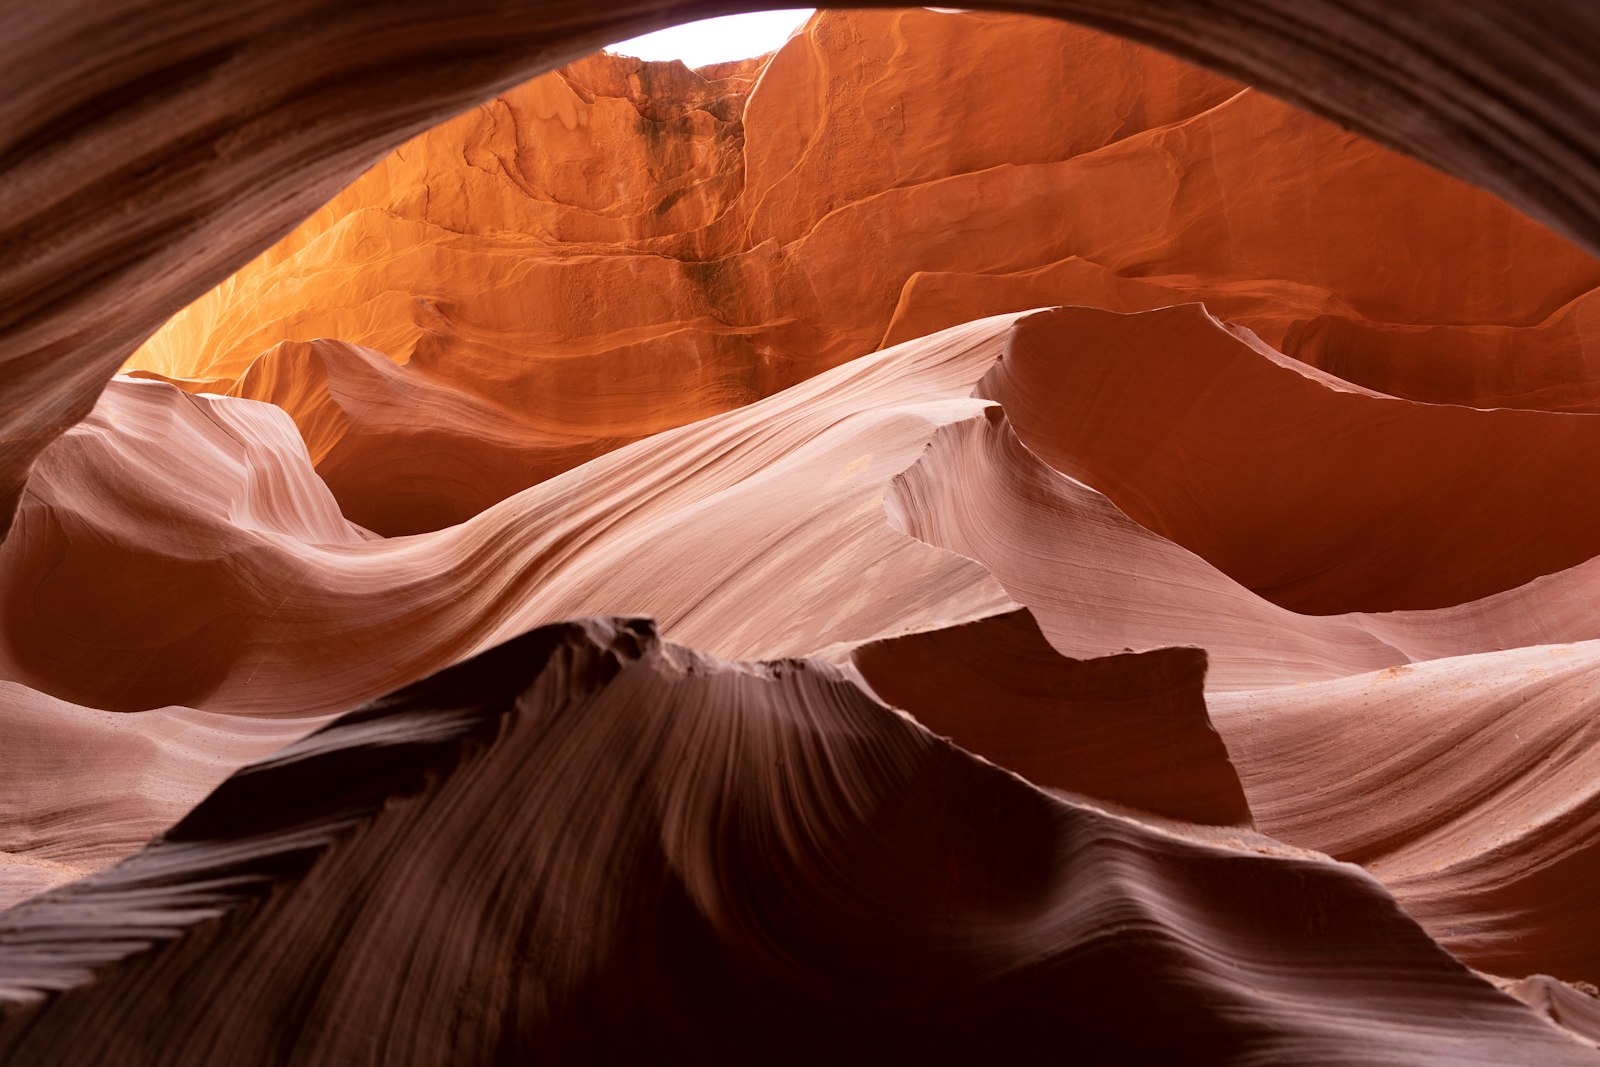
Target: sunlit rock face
[
  {"x": 621, "y": 247},
  {"x": 961, "y": 537}
]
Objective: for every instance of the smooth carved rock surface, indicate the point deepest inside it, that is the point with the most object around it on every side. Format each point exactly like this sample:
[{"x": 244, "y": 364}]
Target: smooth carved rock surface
[
  {"x": 960, "y": 536},
  {"x": 1207, "y": 436},
  {"x": 585, "y": 756},
  {"x": 1467, "y": 785},
  {"x": 147, "y": 157}
]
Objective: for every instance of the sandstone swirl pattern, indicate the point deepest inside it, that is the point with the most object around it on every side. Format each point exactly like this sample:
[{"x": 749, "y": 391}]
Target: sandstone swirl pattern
[
  {"x": 789, "y": 845},
  {"x": 778, "y": 563}
]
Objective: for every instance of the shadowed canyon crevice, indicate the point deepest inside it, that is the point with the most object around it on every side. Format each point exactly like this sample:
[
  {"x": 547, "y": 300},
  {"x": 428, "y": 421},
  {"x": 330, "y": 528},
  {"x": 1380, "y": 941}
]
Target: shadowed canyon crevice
[{"x": 962, "y": 537}]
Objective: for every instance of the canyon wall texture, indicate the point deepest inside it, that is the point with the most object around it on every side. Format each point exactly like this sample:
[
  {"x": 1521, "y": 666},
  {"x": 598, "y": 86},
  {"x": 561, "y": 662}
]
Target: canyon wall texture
[
  {"x": 961, "y": 538},
  {"x": 620, "y": 247},
  {"x": 151, "y": 150}
]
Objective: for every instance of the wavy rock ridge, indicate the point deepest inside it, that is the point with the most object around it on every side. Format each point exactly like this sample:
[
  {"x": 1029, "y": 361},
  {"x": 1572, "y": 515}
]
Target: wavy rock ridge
[
  {"x": 1200, "y": 669},
  {"x": 643, "y": 747}
]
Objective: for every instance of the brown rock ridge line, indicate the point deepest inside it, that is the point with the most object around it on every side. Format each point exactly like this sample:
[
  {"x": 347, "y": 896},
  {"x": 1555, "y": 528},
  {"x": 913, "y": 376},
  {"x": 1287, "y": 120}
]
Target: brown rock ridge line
[
  {"x": 1320, "y": 496},
  {"x": 933, "y": 300},
  {"x": 855, "y": 165},
  {"x": 404, "y": 451},
  {"x": 1547, "y": 366},
  {"x": 1467, "y": 786},
  {"x": 783, "y": 836},
  {"x": 1131, "y": 729},
  {"x": 85, "y": 788},
  {"x": 145, "y": 157},
  {"x": 1574, "y": 1009},
  {"x": 1096, "y": 581}
]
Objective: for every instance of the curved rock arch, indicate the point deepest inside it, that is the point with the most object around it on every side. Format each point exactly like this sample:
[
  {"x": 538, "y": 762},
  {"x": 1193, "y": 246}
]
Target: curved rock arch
[{"x": 151, "y": 149}]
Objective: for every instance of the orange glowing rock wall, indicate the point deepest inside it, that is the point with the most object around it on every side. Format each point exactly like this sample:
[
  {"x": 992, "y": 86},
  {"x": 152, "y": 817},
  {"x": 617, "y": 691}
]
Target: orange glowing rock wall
[
  {"x": 621, "y": 247},
  {"x": 961, "y": 537}
]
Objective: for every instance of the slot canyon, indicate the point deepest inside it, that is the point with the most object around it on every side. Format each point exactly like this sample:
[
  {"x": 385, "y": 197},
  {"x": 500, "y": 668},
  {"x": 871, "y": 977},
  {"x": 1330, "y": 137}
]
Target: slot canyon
[{"x": 1048, "y": 530}]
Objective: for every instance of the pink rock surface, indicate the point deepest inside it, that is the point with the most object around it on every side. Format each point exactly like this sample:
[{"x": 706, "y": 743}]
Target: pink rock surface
[
  {"x": 1199, "y": 670},
  {"x": 1467, "y": 785}
]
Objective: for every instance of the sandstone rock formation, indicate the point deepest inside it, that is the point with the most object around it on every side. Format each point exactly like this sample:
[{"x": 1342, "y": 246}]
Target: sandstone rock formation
[
  {"x": 212, "y": 113},
  {"x": 582, "y": 756},
  {"x": 710, "y": 250},
  {"x": 775, "y": 563}
]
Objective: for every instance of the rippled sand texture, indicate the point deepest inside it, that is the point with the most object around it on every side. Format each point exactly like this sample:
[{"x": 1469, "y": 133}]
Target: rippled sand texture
[{"x": 964, "y": 537}]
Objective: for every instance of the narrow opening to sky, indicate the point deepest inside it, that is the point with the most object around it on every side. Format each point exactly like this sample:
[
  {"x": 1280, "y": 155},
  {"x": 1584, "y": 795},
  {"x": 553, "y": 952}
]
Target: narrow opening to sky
[{"x": 717, "y": 40}]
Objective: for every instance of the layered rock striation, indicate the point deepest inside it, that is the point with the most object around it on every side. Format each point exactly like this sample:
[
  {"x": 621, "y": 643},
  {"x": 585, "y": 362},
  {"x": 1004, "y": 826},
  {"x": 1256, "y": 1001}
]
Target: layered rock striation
[
  {"x": 619, "y": 248},
  {"x": 960, "y": 537}
]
